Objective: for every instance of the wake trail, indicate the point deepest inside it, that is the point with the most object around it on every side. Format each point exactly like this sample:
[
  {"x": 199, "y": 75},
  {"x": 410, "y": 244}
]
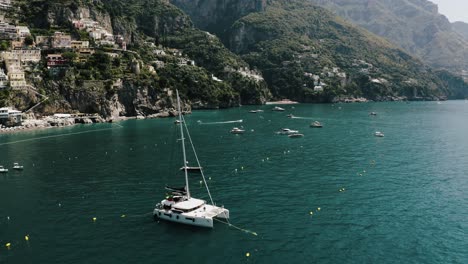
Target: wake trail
[
  {"x": 219, "y": 123},
  {"x": 55, "y": 136}
]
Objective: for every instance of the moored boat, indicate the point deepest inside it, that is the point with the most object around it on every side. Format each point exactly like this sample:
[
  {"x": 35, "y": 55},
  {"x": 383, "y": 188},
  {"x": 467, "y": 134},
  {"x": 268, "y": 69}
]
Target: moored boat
[
  {"x": 316, "y": 124},
  {"x": 277, "y": 108},
  {"x": 287, "y": 131},
  {"x": 237, "y": 130},
  {"x": 16, "y": 166},
  {"x": 180, "y": 206},
  {"x": 379, "y": 134},
  {"x": 3, "y": 170},
  {"x": 191, "y": 169}
]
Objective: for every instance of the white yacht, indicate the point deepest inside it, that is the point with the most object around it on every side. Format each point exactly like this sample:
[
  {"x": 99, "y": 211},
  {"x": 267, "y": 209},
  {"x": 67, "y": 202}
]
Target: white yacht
[
  {"x": 180, "y": 206},
  {"x": 316, "y": 124},
  {"x": 3, "y": 170},
  {"x": 277, "y": 108},
  {"x": 237, "y": 130},
  {"x": 379, "y": 134},
  {"x": 191, "y": 169},
  {"x": 287, "y": 131},
  {"x": 16, "y": 166}
]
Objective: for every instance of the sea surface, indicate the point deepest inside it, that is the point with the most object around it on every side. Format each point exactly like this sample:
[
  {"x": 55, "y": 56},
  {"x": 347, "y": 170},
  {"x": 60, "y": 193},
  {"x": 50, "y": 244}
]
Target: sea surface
[{"x": 337, "y": 195}]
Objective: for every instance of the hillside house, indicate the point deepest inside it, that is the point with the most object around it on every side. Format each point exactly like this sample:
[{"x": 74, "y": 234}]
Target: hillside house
[
  {"x": 17, "y": 79},
  {"x": 9, "y": 113},
  {"x": 55, "y": 60},
  {"x": 27, "y": 55},
  {"x": 3, "y": 79},
  {"x": 61, "y": 40},
  {"x": 22, "y": 31},
  {"x": 5, "y": 4},
  {"x": 7, "y": 31},
  {"x": 318, "y": 88},
  {"x": 77, "y": 44},
  {"x": 13, "y": 65}
]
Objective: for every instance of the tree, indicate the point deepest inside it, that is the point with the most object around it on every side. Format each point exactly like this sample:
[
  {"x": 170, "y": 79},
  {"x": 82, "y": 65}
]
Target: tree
[
  {"x": 4, "y": 45},
  {"x": 28, "y": 41},
  {"x": 69, "y": 56}
]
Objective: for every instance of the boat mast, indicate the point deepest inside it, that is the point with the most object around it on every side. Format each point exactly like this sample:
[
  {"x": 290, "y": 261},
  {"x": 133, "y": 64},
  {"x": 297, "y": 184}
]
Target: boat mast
[{"x": 181, "y": 124}]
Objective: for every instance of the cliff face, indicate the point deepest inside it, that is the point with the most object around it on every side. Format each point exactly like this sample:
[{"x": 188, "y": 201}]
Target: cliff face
[
  {"x": 414, "y": 25},
  {"x": 461, "y": 28},
  {"x": 216, "y": 16},
  {"x": 128, "y": 83},
  {"x": 127, "y": 98}
]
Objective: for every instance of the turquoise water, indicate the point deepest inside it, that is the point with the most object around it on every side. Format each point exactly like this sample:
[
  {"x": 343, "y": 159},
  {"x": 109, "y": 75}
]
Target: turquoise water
[{"x": 403, "y": 198}]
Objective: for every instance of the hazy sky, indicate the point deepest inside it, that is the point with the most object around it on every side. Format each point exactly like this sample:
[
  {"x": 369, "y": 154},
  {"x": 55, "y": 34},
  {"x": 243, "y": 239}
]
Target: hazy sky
[{"x": 454, "y": 10}]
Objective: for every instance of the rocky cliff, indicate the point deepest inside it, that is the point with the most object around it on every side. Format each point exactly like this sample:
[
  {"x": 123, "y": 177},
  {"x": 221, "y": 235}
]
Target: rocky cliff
[
  {"x": 296, "y": 44},
  {"x": 114, "y": 82},
  {"x": 414, "y": 25},
  {"x": 216, "y": 16},
  {"x": 461, "y": 28}
]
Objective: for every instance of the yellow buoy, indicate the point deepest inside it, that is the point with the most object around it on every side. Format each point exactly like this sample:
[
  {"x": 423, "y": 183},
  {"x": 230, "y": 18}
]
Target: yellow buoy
[
  {"x": 242, "y": 167},
  {"x": 8, "y": 245},
  {"x": 26, "y": 237},
  {"x": 123, "y": 216},
  {"x": 311, "y": 213},
  {"x": 94, "y": 219},
  {"x": 318, "y": 209},
  {"x": 247, "y": 254}
]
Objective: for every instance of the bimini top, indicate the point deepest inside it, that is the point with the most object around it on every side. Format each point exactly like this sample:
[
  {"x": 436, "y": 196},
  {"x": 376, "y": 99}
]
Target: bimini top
[{"x": 188, "y": 205}]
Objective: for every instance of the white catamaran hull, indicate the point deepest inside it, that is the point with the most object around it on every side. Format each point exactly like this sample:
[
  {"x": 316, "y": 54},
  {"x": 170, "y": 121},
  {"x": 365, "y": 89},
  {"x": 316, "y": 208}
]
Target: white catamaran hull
[{"x": 202, "y": 217}]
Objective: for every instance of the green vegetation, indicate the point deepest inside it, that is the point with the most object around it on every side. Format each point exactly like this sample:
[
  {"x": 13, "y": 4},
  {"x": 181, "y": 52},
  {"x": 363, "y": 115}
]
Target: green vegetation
[{"x": 294, "y": 37}]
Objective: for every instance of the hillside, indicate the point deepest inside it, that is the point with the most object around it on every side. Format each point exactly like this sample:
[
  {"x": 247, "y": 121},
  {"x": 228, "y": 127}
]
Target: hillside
[
  {"x": 307, "y": 53},
  {"x": 139, "y": 51},
  {"x": 461, "y": 28},
  {"x": 414, "y": 25}
]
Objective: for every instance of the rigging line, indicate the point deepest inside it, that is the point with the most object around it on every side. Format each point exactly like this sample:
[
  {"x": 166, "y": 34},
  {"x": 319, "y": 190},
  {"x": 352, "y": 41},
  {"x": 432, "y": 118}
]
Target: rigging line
[
  {"x": 196, "y": 158},
  {"x": 236, "y": 227},
  {"x": 199, "y": 165},
  {"x": 54, "y": 136}
]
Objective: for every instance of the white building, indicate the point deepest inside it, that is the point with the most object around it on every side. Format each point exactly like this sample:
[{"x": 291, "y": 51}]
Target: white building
[
  {"x": 5, "y": 4},
  {"x": 22, "y": 31},
  {"x": 7, "y": 112},
  {"x": 3, "y": 79},
  {"x": 318, "y": 88},
  {"x": 27, "y": 55}
]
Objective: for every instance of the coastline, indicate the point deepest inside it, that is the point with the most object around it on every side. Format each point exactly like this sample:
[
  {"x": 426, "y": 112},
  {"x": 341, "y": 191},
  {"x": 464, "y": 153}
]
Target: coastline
[{"x": 50, "y": 122}]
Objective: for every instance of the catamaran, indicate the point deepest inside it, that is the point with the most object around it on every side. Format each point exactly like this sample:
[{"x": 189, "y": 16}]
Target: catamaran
[{"x": 180, "y": 206}]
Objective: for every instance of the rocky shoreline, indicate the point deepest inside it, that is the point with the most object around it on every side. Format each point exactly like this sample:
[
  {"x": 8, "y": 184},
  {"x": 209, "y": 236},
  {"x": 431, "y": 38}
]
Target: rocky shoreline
[{"x": 32, "y": 123}]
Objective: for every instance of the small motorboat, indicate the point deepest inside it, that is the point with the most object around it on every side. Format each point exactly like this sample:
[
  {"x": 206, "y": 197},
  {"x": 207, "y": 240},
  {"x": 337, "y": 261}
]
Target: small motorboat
[
  {"x": 255, "y": 111},
  {"x": 237, "y": 130},
  {"x": 290, "y": 115},
  {"x": 296, "y": 135},
  {"x": 3, "y": 170},
  {"x": 287, "y": 131},
  {"x": 178, "y": 121},
  {"x": 379, "y": 134},
  {"x": 192, "y": 169},
  {"x": 277, "y": 108},
  {"x": 373, "y": 113},
  {"x": 16, "y": 166},
  {"x": 316, "y": 124}
]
